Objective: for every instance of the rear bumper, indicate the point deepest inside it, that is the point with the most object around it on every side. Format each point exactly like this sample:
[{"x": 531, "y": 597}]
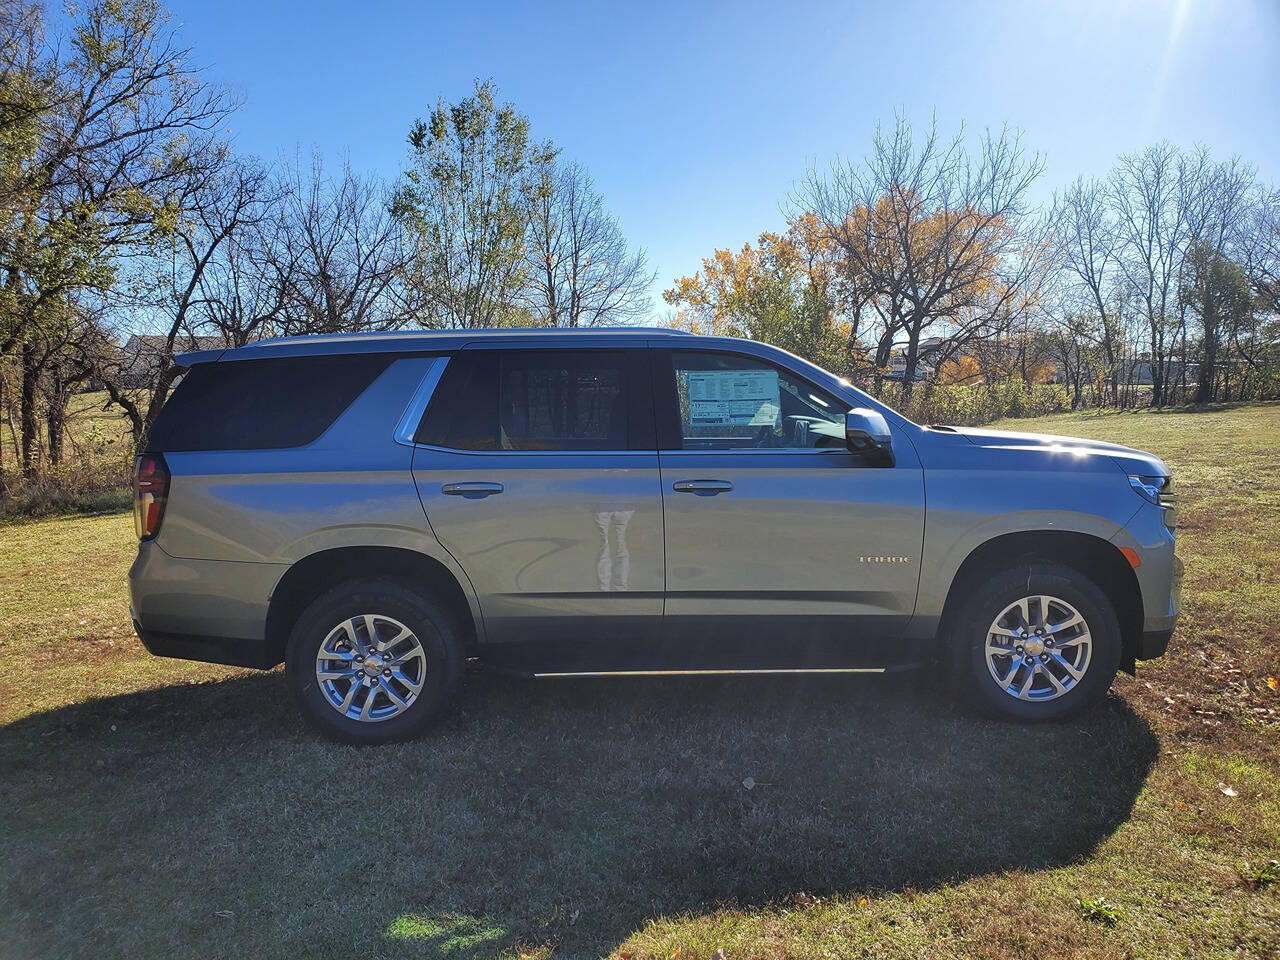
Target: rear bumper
[
  {"x": 209, "y": 610},
  {"x": 231, "y": 651}
]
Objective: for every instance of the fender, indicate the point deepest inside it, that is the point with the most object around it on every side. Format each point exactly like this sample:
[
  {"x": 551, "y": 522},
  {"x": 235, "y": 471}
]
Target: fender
[{"x": 974, "y": 501}]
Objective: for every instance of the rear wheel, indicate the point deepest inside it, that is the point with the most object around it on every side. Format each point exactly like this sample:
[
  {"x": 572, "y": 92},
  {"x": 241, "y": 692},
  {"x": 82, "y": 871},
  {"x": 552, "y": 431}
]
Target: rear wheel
[
  {"x": 373, "y": 661},
  {"x": 1036, "y": 641}
]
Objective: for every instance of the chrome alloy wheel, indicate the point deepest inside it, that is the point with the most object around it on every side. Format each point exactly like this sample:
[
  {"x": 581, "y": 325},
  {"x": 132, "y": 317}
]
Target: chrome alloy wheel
[
  {"x": 1038, "y": 648},
  {"x": 371, "y": 667}
]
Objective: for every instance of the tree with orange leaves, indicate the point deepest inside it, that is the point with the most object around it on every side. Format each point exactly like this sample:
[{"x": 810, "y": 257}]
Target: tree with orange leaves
[
  {"x": 931, "y": 239},
  {"x": 785, "y": 290}
]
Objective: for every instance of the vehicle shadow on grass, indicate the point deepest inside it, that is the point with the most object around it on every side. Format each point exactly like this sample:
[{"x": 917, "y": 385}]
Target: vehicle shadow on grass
[{"x": 566, "y": 813}]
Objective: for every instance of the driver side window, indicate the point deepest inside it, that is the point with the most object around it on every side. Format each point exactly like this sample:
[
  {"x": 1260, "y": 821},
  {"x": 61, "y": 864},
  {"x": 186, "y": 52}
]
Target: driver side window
[{"x": 729, "y": 402}]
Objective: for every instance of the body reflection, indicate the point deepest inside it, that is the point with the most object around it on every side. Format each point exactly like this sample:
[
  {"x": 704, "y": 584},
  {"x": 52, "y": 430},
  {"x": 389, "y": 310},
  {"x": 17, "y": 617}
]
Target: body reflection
[{"x": 613, "y": 569}]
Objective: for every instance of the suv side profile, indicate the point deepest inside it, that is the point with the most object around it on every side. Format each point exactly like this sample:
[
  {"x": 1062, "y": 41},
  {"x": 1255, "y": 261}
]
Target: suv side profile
[{"x": 376, "y": 510}]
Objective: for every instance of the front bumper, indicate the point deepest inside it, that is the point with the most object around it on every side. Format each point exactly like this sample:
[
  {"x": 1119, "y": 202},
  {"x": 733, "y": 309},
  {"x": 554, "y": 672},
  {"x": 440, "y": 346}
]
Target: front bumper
[
  {"x": 1153, "y": 643},
  {"x": 1159, "y": 576}
]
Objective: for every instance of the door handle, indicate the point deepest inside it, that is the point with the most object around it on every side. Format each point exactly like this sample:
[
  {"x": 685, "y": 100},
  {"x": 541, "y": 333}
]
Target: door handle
[
  {"x": 473, "y": 490},
  {"x": 703, "y": 488}
]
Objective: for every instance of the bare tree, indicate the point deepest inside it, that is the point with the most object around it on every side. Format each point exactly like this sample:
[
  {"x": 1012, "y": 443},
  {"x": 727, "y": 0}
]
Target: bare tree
[
  {"x": 1151, "y": 193},
  {"x": 1085, "y": 234},
  {"x": 245, "y": 286},
  {"x": 1262, "y": 251},
  {"x": 1256, "y": 342},
  {"x": 580, "y": 272},
  {"x": 174, "y": 292},
  {"x": 935, "y": 234},
  {"x": 1069, "y": 349},
  {"x": 345, "y": 255},
  {"x": 1213, "y": 286}
]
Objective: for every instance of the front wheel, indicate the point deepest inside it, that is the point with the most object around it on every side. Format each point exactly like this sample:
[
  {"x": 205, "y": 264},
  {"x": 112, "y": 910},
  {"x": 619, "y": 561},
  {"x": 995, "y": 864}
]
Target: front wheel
[
  {"x": 373, "y": 661},
  {"x": 1037, "y": 641}
]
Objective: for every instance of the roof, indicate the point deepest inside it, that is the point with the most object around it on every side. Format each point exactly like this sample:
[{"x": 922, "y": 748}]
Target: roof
[
  {"x": 413, "y": 341},
  {"x": 434, "y": 341}
]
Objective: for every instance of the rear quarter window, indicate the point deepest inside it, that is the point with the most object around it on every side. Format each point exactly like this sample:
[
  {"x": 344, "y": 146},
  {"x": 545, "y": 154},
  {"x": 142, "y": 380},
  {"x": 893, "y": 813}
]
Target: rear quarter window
[{"x": 261, "y": 404}]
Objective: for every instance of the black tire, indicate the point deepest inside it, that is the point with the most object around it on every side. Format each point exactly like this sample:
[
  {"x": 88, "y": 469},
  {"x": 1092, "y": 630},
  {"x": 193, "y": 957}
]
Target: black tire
[
  {"x": 968, "y": 635},
  {"x": 435, "y": 629}
]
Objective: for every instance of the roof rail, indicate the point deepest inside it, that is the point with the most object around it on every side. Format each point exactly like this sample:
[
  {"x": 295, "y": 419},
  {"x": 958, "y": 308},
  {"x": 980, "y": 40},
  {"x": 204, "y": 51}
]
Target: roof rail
[
  {"x": 463, "y": 332},
  {"x": 498, "y": 331}
]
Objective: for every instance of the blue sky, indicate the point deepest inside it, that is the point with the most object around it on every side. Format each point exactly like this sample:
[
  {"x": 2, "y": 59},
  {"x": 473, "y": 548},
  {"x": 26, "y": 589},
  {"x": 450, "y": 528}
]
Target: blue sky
[{"x": 697, "y": 119}]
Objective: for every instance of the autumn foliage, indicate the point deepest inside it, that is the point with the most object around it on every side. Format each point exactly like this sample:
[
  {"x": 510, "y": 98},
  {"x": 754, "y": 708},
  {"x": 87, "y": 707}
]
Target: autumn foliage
[{"x": 786, "y": 290}]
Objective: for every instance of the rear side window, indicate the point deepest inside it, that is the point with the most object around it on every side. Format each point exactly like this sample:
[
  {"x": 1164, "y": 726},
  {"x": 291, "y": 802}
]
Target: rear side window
[
  {"x": 536, "y": 400},
  {"x": 261, "y": 404}
]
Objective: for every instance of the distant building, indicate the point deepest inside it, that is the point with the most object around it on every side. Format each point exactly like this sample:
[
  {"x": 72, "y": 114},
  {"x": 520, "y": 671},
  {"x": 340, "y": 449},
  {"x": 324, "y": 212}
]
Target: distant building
[{"x": 926, "y": 361}]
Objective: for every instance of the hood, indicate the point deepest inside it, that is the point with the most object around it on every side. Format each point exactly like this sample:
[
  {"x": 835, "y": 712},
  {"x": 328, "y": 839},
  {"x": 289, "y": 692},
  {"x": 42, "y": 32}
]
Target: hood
[{"x": 1128, "y": 459}]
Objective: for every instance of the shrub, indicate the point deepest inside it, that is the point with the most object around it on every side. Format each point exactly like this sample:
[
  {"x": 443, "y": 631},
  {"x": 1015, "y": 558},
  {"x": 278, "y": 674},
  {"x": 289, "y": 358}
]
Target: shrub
[
  {"x": 82, "y": 485},
  {"x": 970, "y": 405}
]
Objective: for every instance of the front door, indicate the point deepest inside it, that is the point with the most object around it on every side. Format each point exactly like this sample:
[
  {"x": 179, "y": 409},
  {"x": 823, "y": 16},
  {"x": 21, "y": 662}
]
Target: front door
[
  {"x": 538, "y": 472},
  {"x": 782, "y": 547}
]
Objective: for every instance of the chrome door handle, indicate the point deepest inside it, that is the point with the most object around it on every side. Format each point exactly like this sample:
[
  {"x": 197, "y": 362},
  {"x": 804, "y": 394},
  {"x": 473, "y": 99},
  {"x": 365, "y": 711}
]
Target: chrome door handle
[
  {"x": 703, "y": 488},
  {"x": 473, "y": 490}
]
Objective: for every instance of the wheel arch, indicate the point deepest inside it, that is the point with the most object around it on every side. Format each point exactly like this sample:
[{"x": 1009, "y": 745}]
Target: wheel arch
[
  {"x": 315, "y": 573},
  {"x": 1093, "y": 557}
]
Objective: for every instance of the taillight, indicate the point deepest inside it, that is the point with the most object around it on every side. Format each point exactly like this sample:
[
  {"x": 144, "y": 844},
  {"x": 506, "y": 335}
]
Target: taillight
[{"x": 150, "y": 491}]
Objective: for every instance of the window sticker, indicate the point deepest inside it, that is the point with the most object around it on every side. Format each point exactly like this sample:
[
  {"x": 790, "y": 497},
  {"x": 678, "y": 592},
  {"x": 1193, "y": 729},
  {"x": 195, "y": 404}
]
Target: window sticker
[{"x": 738, "y": 398}]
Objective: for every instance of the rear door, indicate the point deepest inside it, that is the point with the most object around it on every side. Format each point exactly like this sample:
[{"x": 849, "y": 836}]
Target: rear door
[
  {"x": 538, "y": 471},
  {"x": 782, "y": 547}
]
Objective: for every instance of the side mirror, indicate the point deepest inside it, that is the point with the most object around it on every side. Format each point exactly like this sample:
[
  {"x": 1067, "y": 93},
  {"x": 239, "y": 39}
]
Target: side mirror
[{"x": 867, "y": 435}]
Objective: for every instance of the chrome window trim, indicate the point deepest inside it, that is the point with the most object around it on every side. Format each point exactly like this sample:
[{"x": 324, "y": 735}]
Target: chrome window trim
[
  {"x": 790, "y": 451},
  {"x": 756, "y": 451},
  {"x": 412, "y": 416},
  {"x": 536, "y": 453}
]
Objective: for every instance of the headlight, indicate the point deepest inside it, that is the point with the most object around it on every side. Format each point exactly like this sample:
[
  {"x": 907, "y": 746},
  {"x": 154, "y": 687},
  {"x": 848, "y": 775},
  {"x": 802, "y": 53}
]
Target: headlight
[{"x": 1158, "y": 490}]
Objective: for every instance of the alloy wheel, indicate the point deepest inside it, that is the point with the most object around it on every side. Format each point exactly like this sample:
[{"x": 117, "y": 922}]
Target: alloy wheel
[
  {"x": 1038, "y": 648},
  {"x": 371, "y": 668}
]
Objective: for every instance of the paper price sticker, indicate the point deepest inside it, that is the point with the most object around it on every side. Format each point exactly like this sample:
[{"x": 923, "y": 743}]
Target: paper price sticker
[{"x": 739, "y": 398}]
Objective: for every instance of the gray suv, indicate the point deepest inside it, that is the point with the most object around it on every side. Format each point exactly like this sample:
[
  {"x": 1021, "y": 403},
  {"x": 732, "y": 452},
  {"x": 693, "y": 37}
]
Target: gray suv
[{"x": 375, "y": 510}]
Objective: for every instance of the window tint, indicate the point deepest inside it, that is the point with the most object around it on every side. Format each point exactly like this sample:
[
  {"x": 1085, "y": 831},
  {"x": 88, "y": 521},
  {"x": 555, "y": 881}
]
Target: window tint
[
  {"x": 463, "y": 412},
  {"x": 535, "y": 400},
  {"x": 261, "y": 404},
  {"x": 729, "y": 402}
]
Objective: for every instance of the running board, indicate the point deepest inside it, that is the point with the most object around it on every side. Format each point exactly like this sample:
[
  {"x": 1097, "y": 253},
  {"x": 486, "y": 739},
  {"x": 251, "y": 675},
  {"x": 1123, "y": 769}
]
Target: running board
[{"x": 706, "y": 673}]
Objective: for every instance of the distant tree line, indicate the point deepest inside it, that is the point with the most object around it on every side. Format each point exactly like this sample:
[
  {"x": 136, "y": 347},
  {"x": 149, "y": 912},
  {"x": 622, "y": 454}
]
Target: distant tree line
[
  {"x": 1154, "y": 285},
  {"x": 124, "y": 210}
]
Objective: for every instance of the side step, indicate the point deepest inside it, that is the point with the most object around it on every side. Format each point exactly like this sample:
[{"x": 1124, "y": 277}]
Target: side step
[
  {"x": 708, "y": 672},
  {"x": 747, "y": 656}
]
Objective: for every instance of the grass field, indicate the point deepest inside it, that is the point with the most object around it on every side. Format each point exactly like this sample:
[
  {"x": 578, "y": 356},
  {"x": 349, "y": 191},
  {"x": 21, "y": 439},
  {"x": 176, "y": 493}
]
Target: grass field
[
  {"x": 93, "y": 476},
  {"x": 91, "y": 423},
  {"x": 162, "y": 809}
]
